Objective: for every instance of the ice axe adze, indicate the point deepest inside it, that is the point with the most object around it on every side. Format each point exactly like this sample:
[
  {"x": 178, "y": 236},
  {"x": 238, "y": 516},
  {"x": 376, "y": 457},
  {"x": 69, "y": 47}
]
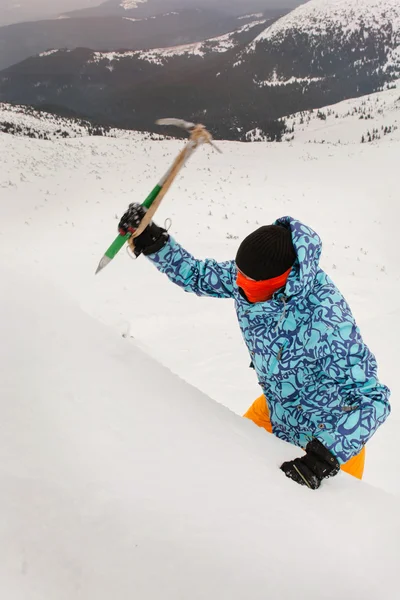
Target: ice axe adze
[{"x": 198, "y": 135}]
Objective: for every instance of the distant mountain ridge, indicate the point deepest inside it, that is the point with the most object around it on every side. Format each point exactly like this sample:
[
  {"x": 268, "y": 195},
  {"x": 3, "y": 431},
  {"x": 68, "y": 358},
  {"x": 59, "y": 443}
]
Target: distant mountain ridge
[
  {"x": 98, "y": 85},
  {"x": 321, "y": 53},
  {"x": 321, "y": 35},
  {"x": 19, "y": 11},
  {"x": 23, "y": 40},
  {"x": 149, "y": 8}
]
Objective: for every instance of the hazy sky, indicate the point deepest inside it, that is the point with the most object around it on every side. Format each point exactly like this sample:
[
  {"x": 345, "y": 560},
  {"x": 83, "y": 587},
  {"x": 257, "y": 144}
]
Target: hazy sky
[
  {"x": 12, "y": 11},
  {"x": 50, "y": 5}
]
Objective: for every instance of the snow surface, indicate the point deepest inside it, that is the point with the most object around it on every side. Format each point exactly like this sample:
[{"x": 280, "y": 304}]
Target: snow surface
[
  {"x": 111, "y": 56},
  {"x": 369, "y": 118},
  {"x": 379, "y": 113},
  {"x": 129, "y": 4},
  {"x": 49, "y": 52},
  {"x": 50, "y": 126},
  {"x": 254, "y": 15},
  {"x": 64, "y": 198},
  {"x": 119, "y": 480},
  {"x": 275, "y": 81}
]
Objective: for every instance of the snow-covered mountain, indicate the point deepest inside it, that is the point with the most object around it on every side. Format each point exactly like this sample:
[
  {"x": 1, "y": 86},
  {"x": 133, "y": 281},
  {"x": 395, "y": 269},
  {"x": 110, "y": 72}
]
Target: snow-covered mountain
[
  {"x": 360, "y": 120},
  {"x": 325, "y": 44},
  {"x": 367, "y": 119},
  {"x": 323, "y": 52},
  {"x": 103, "y": 85},
  {"x": 167, "y": 28},
  {"x": 25, "y": 121}
]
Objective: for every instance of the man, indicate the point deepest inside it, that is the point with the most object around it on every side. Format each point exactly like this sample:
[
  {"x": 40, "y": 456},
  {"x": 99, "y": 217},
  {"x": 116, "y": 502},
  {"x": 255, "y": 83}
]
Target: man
[{"x": 319, "y": 379}]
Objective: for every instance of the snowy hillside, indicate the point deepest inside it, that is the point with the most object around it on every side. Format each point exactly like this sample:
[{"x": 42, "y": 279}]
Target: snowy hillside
[
  {"x": 25, "y": 121},
  {"x": 102, "y": 85},
  {"x": 366, "y": 119},
  {"x": 376, "y": 21},
  {"x": 359, "y": 120},
  {"x": 120, "y": 480},
  {"x": 322, "y": 53}
]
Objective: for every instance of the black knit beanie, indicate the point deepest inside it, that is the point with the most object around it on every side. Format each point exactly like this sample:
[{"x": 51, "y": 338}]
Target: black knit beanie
[{"x": 266, "y": 253}]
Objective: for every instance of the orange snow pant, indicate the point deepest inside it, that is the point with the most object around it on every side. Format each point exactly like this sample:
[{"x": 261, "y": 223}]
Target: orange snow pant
[{"x": 259, "y": 414}]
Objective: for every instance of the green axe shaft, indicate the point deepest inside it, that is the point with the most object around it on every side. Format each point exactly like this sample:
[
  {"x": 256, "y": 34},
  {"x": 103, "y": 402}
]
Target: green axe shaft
[
  {"x": 121, "y": 240},
  {"x": 198, "y": 135}
]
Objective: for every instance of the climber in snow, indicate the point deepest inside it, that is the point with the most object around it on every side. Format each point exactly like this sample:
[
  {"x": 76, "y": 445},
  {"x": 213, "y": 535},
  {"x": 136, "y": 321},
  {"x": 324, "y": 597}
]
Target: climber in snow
[{"x": 319, "y": 379}]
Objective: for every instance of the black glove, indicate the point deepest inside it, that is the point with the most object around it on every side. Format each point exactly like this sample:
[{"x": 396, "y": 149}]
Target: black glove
[
  {"x": 151, "y": 240},
  {"x": 311, "y": 469}
]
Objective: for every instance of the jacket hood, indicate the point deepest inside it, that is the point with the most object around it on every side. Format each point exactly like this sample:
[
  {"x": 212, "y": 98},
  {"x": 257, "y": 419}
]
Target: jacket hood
[{"x": 308, "y": 247}]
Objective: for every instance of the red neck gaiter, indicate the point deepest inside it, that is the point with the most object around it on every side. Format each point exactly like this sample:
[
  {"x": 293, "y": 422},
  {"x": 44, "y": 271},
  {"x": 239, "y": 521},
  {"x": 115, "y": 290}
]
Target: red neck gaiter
[{"x": 261, "y": 291}]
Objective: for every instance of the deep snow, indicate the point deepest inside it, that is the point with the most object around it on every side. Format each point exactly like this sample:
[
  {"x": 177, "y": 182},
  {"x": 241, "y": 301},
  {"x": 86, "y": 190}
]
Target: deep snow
[{"x": 120, "y": 480}]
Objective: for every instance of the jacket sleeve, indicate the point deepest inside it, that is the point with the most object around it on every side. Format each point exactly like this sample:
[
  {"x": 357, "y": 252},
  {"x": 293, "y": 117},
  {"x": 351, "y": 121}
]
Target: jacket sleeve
[
  {"x": 201, "y": 277},
  {"x": 350, "y": 364}
]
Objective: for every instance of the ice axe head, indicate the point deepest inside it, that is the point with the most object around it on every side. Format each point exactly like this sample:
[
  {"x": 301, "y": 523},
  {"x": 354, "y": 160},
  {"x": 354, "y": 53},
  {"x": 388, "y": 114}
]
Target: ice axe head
[
  {"x": 198, "y": 132},
  {"x": 177, "y": 123}
]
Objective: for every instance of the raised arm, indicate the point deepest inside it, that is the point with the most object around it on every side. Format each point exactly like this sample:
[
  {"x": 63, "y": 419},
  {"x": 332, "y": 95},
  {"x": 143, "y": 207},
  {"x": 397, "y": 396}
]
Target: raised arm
[{"x": 201, "y": 277}]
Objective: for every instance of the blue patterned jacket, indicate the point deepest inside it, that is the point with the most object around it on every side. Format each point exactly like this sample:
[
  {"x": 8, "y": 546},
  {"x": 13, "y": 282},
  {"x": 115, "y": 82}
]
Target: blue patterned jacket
[{"x": 318, "y": 376}]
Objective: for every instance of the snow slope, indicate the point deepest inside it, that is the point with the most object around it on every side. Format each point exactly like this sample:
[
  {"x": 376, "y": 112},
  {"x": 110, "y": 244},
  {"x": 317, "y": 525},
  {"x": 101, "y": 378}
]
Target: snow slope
[
  {"x": 64, "y": 199},
  {"x": 120, "y": 480},
  {"x": 26, "y": 121},
  {"x": 368, "y": 118}
]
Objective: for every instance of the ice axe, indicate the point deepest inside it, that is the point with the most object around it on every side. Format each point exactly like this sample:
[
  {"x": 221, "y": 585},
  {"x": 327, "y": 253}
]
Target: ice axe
[{"x": 198, "y": 136}]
